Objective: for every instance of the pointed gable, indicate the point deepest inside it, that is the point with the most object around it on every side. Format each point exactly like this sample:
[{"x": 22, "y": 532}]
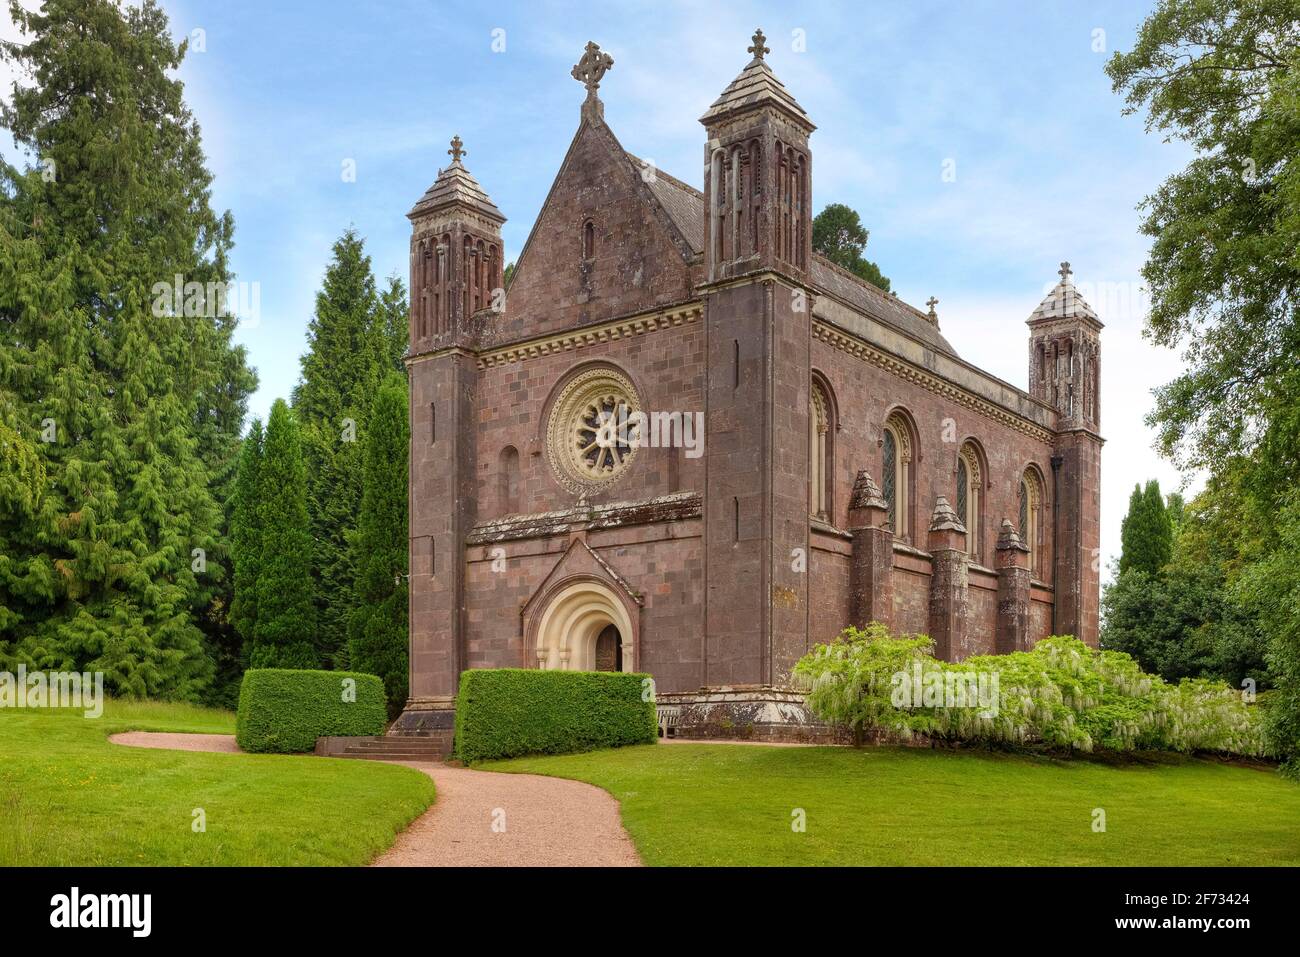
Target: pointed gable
[{"x": 638, "y": 258}]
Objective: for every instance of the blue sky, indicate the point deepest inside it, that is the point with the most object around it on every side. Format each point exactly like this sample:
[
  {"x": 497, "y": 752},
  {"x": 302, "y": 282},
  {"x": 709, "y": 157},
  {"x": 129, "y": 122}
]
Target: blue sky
[{"x": 1013, "y": 94}]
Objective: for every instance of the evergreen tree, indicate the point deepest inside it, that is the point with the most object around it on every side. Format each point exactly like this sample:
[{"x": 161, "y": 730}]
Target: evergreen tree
[
  {"x": 378, "y": 627},
  {"x": 134, "y": 405},
  {"x": 393, "y": 316},
  {"x": 341, "y": 371},
  {"x": 1177, "y": 508},
  {"x": 1147, "y": 533},
  {"x": 22, "y": 475},
  {"x": 286, "y": 612},
  {"x": 246, "y": 534},
  {"x": 1191, "y": 620},
  {"x": 838, "y": 234}
]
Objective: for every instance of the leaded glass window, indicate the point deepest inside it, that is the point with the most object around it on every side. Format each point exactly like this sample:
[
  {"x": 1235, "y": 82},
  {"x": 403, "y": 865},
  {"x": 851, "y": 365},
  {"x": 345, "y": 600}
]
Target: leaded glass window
[
  {"x": 889, "y": 474},
  {"x": 963, "y": 484},
  {"x": 1024, "y": 512}
]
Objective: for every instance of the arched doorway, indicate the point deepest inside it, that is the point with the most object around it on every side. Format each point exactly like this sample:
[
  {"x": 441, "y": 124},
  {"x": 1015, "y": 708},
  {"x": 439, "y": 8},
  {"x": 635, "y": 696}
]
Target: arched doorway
[{"x": 585, "y": 627}]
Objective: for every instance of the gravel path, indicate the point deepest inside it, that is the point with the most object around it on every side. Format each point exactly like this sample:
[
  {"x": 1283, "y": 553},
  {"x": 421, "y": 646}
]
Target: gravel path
[
  {"x": 481, "y": 818},
  {"x": 224, "y": 743}
]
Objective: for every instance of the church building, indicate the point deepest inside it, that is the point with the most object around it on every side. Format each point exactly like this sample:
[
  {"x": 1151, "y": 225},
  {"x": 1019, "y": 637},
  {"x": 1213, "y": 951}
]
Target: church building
[{"x": 681, "y": 442}]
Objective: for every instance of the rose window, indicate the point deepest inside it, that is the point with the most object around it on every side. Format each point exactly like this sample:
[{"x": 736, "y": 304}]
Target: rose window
[{"x": 592, "y": 433}]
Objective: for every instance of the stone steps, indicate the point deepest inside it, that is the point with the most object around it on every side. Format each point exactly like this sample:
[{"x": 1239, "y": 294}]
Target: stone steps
[
  {"x": 387, "y": 748},
  {"x": 388, "y": 744}
]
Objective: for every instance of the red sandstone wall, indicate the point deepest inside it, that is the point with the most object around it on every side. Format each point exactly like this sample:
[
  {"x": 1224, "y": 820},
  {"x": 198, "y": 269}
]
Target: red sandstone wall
[
  {"x": 662, "y": 562},
  {"x": 635, "y": 263},
  {"x": 983, "y": 598},
  {"x": 865, "y": 395},
  {"x": 1040, "y": 614},
  {"x": 667, "y": 367},
  {"x": 828, "y": 588}
]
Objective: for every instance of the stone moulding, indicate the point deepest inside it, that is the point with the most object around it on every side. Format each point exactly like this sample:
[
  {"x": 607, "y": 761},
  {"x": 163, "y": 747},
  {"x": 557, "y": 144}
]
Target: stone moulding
[
  {"x": 905, "y": 370},
  {"x": 592, "y": 335},
  {"x": 665, "y": 508}
]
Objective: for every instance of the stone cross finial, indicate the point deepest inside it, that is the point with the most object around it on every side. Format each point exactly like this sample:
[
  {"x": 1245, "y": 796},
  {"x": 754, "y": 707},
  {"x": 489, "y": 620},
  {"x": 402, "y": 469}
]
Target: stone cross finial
[
  {"x": 758, "y": 49},
  {"x": 592, "y": 68},
  {"x": 456, "y": 150},
  {"x": 1065, "y": 271},
  {"x": 933, "y": 316}
]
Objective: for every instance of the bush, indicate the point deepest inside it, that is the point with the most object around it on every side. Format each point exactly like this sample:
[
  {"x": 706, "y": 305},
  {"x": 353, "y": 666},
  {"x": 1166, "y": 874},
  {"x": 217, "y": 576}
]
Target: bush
[
  {"x": 506, "y": 712},
  {"x": 1062, "y": 694},
  {"x": 285, "y": 711},
  {"x": 298, "y": 656}
]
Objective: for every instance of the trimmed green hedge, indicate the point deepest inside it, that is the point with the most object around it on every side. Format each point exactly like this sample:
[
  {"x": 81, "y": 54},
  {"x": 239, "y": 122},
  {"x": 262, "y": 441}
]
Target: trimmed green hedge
[
  {"x": 285, "y": 711},
  {"x": 506, "y": 712}
]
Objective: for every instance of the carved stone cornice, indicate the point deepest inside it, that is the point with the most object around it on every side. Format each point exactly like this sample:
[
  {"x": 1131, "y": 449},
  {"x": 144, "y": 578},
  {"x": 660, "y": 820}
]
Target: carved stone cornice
[
  {"x": 591, "y": 335},
  {"x": 675, "y": 507},
  {"x": 927, "y": 380}
]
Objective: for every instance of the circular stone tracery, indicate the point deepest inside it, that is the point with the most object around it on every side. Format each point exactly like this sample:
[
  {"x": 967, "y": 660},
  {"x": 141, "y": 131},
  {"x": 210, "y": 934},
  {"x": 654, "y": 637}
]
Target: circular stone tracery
[{"x": 590, "y": 437}]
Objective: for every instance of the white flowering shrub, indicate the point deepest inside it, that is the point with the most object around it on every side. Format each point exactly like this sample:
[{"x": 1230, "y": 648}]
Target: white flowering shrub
[{"x": 1062, "y": 694}]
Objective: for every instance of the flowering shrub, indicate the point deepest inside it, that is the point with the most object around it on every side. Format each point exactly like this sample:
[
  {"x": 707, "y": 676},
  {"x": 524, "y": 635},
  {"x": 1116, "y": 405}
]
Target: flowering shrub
[{"x": 1061, "y": 694}]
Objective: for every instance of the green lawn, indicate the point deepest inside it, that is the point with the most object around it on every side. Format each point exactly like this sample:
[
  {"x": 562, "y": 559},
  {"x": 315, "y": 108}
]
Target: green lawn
[
  {"x": 68, "y": 796},
  {"x": 734, "y": 805}
]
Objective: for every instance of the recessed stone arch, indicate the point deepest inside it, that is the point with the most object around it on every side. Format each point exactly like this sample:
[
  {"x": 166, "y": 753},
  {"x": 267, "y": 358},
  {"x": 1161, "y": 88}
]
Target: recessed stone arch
[
  {"x": 972, "y": 480},
  {"x": 899, "y": 454},
  {"x": 563, "y": 632},
  {"x": 1031, "y": 499},
  {"x": 823, "y": 416}
]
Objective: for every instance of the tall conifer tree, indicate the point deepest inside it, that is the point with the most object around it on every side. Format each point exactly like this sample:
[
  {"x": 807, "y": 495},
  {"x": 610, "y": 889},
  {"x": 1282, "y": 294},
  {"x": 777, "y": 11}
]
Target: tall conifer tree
[
  {"x": 246, "y": 534},
  {"x": 286, "y": 612},
  {"x": 341, "y": 371},
  {"x": 133, "y": 408},
  {"x": 1147, "y": 533},
  {"x": 393, "y": 319},
  {"x": 378, "y": 627}
]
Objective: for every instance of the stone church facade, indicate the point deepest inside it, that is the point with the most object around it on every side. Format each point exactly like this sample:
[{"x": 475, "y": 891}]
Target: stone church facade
[{"x": 811, "y": 452}]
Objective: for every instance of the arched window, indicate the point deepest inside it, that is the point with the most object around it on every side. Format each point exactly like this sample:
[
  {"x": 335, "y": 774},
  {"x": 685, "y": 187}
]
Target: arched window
[
  {"x": 820, "y": 468},
  {"x": 1031, "y": 526},
  {"x": 970, "y": 504},
  {"x": 896, "y": 469},
  {"x": 588, "y": 240},
  {"x": 508, "y": 480}
]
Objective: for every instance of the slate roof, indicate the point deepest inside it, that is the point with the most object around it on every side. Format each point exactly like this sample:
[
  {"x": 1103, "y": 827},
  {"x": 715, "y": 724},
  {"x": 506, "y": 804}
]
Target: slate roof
[
  {"x": 1063, "y": 302},
  {"x": 756, "y": 85},
  {"x": 455, "y": 185},
  {"x": 685, "y": 206}
]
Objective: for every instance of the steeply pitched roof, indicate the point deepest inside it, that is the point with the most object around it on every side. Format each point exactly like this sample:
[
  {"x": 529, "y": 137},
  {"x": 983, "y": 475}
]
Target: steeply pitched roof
[
  {"x": 1063, "y": 302},
  {"x": 889, "y": 309},
  {"x": 756, "y": 85},
  {"x": 685, "y": 206},
  {"x": 455, "y": 185}
]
